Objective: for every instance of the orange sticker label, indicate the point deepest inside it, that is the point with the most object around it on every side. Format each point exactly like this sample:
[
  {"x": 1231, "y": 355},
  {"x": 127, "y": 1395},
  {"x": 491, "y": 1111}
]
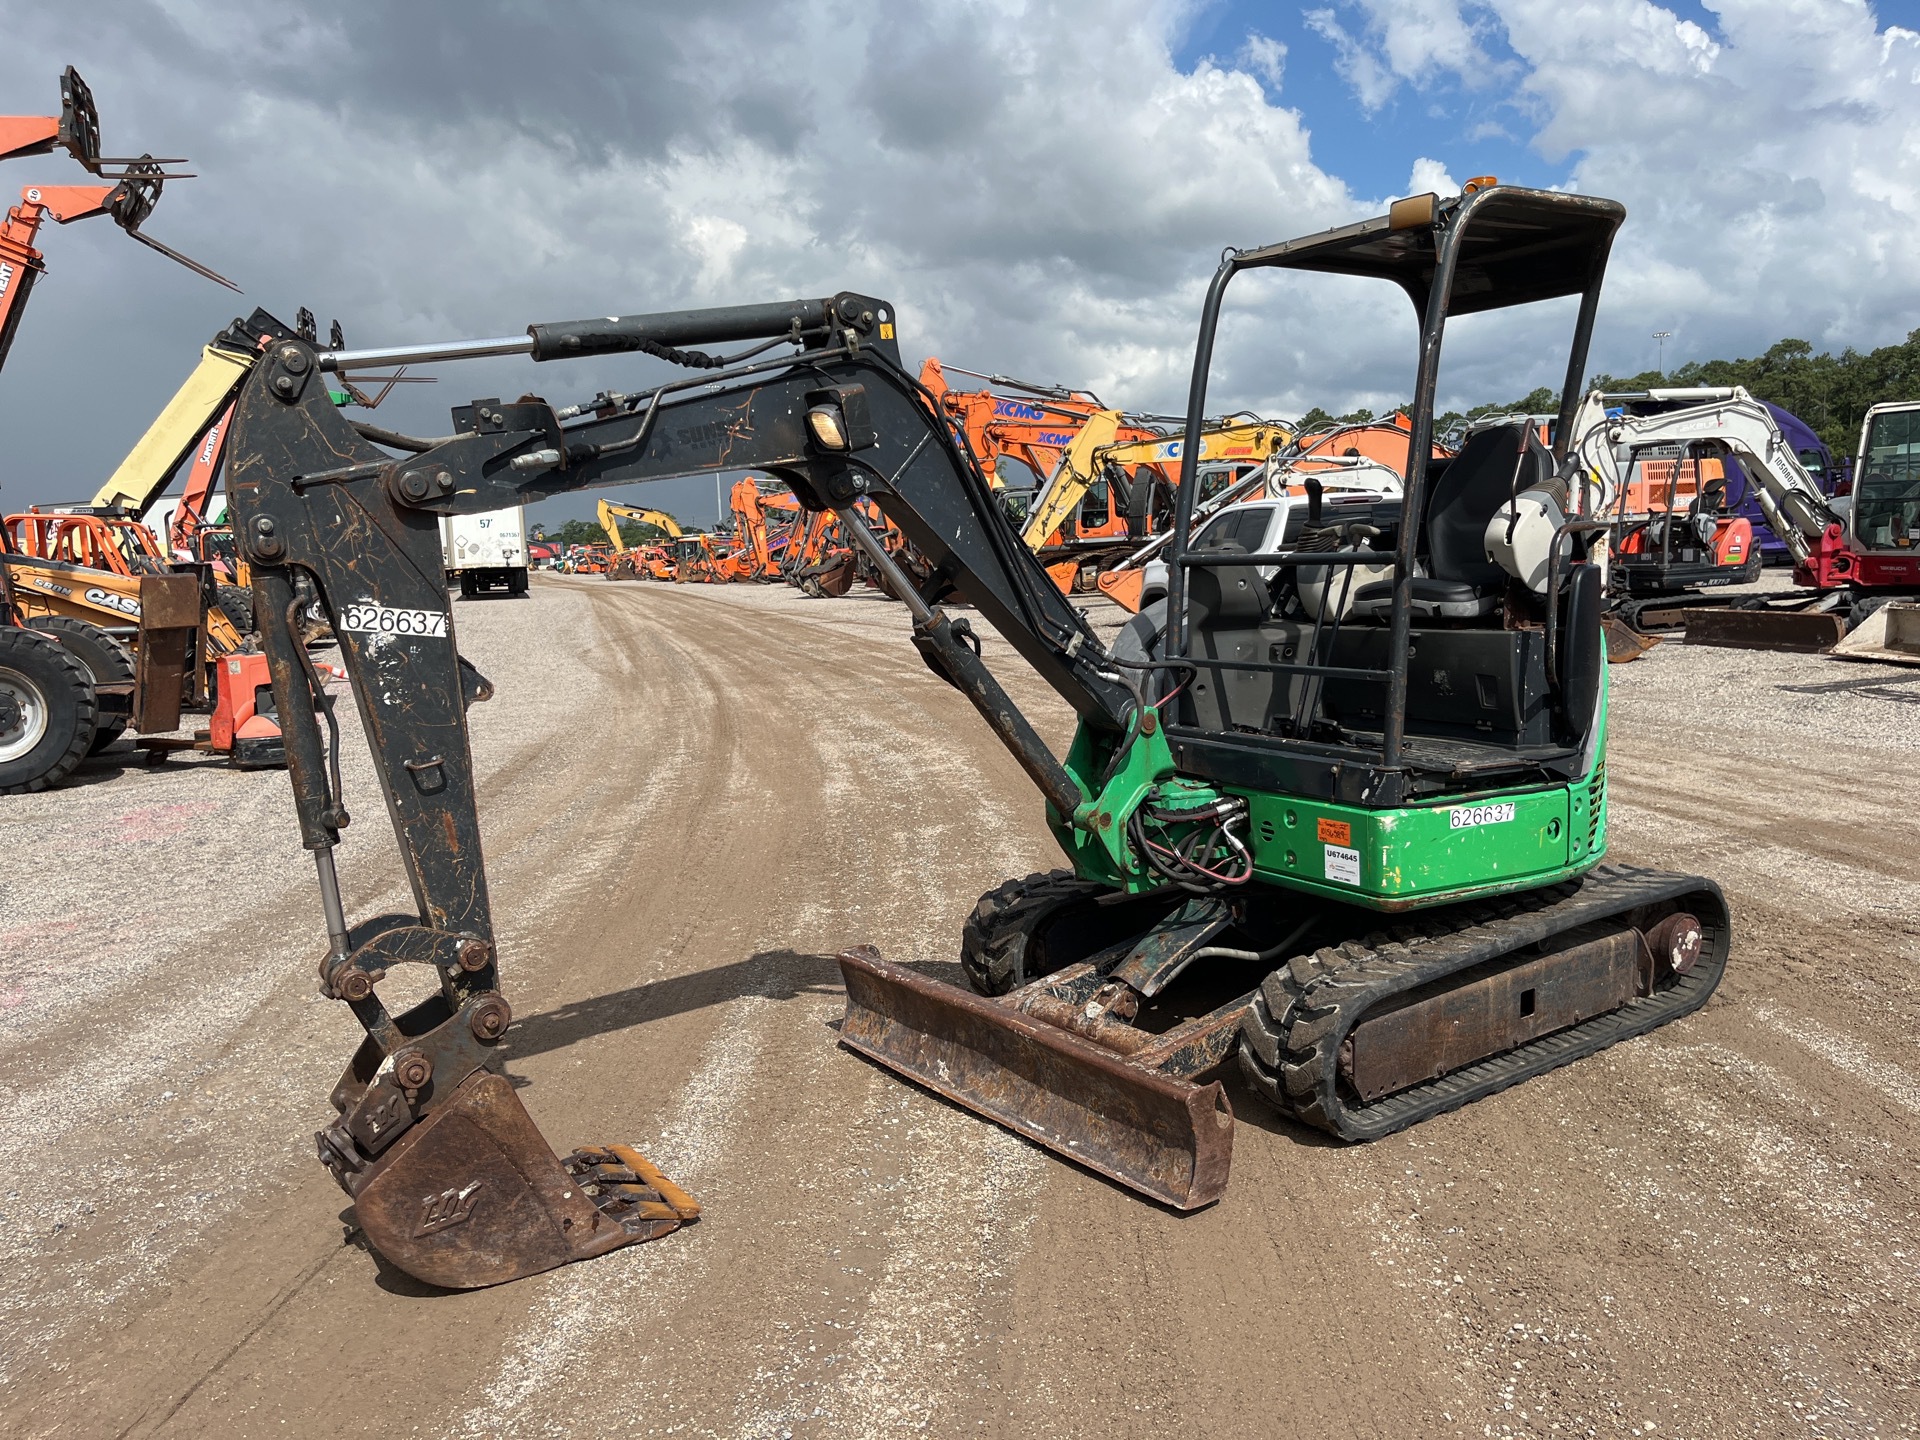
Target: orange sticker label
[{"x": 1335, "y": 832}]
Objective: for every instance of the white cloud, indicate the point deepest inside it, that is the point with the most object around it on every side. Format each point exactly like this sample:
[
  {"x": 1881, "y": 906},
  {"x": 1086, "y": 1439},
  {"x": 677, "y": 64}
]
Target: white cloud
[
  {"x": 1267, "y": 58},
  {"x": 1039, "y": 195},
  {"x": 1772, "y": 174},
  {"x": 1372, "y": 79},
  {"x": 1404, "y": 40},
  {"x": 1431, "y": 175}
]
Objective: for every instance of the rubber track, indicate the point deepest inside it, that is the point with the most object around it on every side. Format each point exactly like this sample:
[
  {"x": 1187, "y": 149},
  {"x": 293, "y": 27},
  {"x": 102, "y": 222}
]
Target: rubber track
[{"x": 1304, "y": 1011}]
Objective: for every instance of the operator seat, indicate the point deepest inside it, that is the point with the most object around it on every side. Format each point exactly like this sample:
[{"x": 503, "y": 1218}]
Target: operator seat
[{"x": 1496, "y": 464}]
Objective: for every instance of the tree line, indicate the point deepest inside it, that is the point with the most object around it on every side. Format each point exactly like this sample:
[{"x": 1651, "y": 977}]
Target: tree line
[
  {"x": 1830, "y": 392},
  {"x": 588, "y": 532}
]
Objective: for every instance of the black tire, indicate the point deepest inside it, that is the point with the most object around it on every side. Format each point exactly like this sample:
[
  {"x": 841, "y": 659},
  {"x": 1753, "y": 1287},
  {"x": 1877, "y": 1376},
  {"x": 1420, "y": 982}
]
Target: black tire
[
  {"x": 517, "y": 581},
  {"x": 108, "y": 661},
  {"x": 1263, "y": 1030},
  {"x": 237, "y": 602},
  {"x": 467, "y": 588},
  {"x": 1028, "y": 928},
  {"x": 1862, "y": 610},
  {"x": 48, "y": 712}
]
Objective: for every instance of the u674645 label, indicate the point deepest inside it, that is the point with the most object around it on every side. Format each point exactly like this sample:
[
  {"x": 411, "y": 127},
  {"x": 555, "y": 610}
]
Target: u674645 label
[
  {"x": 388, "y": 620},
  {"x": 1465, "y": 817}
]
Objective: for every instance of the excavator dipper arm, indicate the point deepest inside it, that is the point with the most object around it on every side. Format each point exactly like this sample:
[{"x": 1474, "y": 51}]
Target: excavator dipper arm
[{"x": 451, "y": 1179}]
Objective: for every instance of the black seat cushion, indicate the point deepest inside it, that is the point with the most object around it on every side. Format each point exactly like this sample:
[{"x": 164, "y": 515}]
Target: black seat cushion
[
  {"x": 1425, "y": 589},
  {"x": 1433, "y": 599}
]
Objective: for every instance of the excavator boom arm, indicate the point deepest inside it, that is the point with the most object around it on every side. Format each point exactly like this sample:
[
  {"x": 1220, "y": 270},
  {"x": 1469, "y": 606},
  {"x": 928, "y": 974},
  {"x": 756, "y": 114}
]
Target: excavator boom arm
[
  {"x": 1732, "y": 420},
  {"x": 450, "y": 1178}
]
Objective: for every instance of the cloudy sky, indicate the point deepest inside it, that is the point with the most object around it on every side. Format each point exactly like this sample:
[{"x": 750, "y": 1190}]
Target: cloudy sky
[{"x": 1041, "y": 188}]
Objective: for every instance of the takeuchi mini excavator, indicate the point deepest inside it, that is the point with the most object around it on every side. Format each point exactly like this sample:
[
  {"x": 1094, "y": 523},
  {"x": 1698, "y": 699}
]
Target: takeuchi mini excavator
[
  {"x": 1352, "y": 844},
  {"x": 1839, "y": 560}
]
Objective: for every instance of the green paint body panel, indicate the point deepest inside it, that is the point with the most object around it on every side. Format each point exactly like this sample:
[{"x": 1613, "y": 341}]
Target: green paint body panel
[{"x": 1484, "y": 843}]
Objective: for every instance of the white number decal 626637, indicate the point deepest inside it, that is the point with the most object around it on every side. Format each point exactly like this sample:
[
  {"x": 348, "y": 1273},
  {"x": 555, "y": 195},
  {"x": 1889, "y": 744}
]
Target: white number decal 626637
[{"x": 386, "y": 620}]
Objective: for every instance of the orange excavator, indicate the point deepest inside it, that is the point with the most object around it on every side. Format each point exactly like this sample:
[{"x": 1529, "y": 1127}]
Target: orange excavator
[
  {"x": 755, "y": 543},
  {"x": 129, "y": 199},
  {"x": 1382, "y": 441},
  {"x": 1112, "y": 491},
  {"x": 1032, "y": 428}
]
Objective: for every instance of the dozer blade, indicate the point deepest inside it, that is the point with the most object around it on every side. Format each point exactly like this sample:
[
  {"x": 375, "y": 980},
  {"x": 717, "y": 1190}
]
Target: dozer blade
[
  {"x": 472, "y": 1195},
  {"x": 1123, "y": 587},
  {"x": 1803, "y": 630},
  {"x": 1166, "y": 1138}
]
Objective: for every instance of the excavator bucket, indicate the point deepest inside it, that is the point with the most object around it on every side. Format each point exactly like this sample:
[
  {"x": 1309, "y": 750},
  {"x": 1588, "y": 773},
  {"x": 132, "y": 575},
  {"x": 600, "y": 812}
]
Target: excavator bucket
[
  {"x": 1123, "y": 587},
  {"x": 472, "y": 1195},
  {"x": 1164, "y": 1137},
  {"x": 1624, "y": 643}
]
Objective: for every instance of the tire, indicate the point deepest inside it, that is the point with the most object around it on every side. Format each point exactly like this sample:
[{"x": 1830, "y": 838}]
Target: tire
[
  {"x": 1863, "y": 610},
  {"x": 1028, "y": 928},
  {"x": 108, "y": 661},
  {"x": 237, "y": 602},
  {"x": 517, "y": 581},
  {"x": 48, "y": 712},
  {"x": 467, "y": 588}
]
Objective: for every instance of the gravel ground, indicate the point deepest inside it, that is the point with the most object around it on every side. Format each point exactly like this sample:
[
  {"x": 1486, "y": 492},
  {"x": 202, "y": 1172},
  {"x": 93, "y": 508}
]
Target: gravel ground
[{"x": 691, "y": 797}]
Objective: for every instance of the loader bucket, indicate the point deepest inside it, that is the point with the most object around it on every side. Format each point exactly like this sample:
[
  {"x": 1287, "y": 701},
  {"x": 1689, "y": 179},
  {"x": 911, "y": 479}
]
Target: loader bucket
[
  {"x": 1803, "y": 630},
  {"x": 1123, "y": 587},
  {"x": 472, "y": 1195},
  {"x": 1166, "y": 1138},
  {"x": 1890, "y": 635}
]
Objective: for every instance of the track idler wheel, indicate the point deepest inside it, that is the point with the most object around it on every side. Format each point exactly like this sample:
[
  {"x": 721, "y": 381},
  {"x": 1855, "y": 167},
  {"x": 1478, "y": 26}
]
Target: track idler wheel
[{"x": 471, "y": 1195}]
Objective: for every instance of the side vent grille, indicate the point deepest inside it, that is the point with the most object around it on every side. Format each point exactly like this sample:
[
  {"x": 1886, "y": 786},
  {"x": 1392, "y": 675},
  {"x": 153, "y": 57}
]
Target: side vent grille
[
  {"x": 1266, "y": 832},
  {"x": 1596, "y": 804}
]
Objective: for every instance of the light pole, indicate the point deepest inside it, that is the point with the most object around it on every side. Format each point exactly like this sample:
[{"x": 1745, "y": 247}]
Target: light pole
[{"x": 1661, "y": 365}]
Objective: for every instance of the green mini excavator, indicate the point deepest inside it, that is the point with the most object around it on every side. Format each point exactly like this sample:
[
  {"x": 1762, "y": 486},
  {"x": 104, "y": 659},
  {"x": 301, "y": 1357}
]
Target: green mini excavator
[{"x": 1335, "y": 813}]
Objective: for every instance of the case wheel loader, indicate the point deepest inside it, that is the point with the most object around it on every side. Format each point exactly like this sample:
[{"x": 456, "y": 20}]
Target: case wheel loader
[{"x": 1352, "y": 843}]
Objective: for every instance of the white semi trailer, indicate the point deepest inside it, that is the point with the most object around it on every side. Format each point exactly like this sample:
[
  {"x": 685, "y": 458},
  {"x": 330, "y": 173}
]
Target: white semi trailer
[{"x": 486, "y": 552}]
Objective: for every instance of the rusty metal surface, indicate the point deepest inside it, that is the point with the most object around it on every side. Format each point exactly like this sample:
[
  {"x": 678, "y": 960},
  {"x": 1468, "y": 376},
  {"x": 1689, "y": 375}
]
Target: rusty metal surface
[
  {"x": 1165, "y": 950},
  {"x": 1624, "y": 643},
  {"x": 1803, "y": 630},
  {"x": 1453, "y": 1025},
  {"x": 170, "y": 616},
  {"x": 1163, "y": 1137},
  {"x": 472, "y": 1196},
  {"x": 170, "y": 602}
]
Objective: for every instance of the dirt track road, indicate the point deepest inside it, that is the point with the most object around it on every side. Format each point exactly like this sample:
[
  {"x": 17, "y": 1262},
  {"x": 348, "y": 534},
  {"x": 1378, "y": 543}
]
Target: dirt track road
[{"x": 691, "y": 799}]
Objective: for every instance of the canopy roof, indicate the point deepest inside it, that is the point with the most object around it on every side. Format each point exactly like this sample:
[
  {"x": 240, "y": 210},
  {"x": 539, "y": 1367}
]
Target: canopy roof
[{"x": 1516, "y": 246}]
